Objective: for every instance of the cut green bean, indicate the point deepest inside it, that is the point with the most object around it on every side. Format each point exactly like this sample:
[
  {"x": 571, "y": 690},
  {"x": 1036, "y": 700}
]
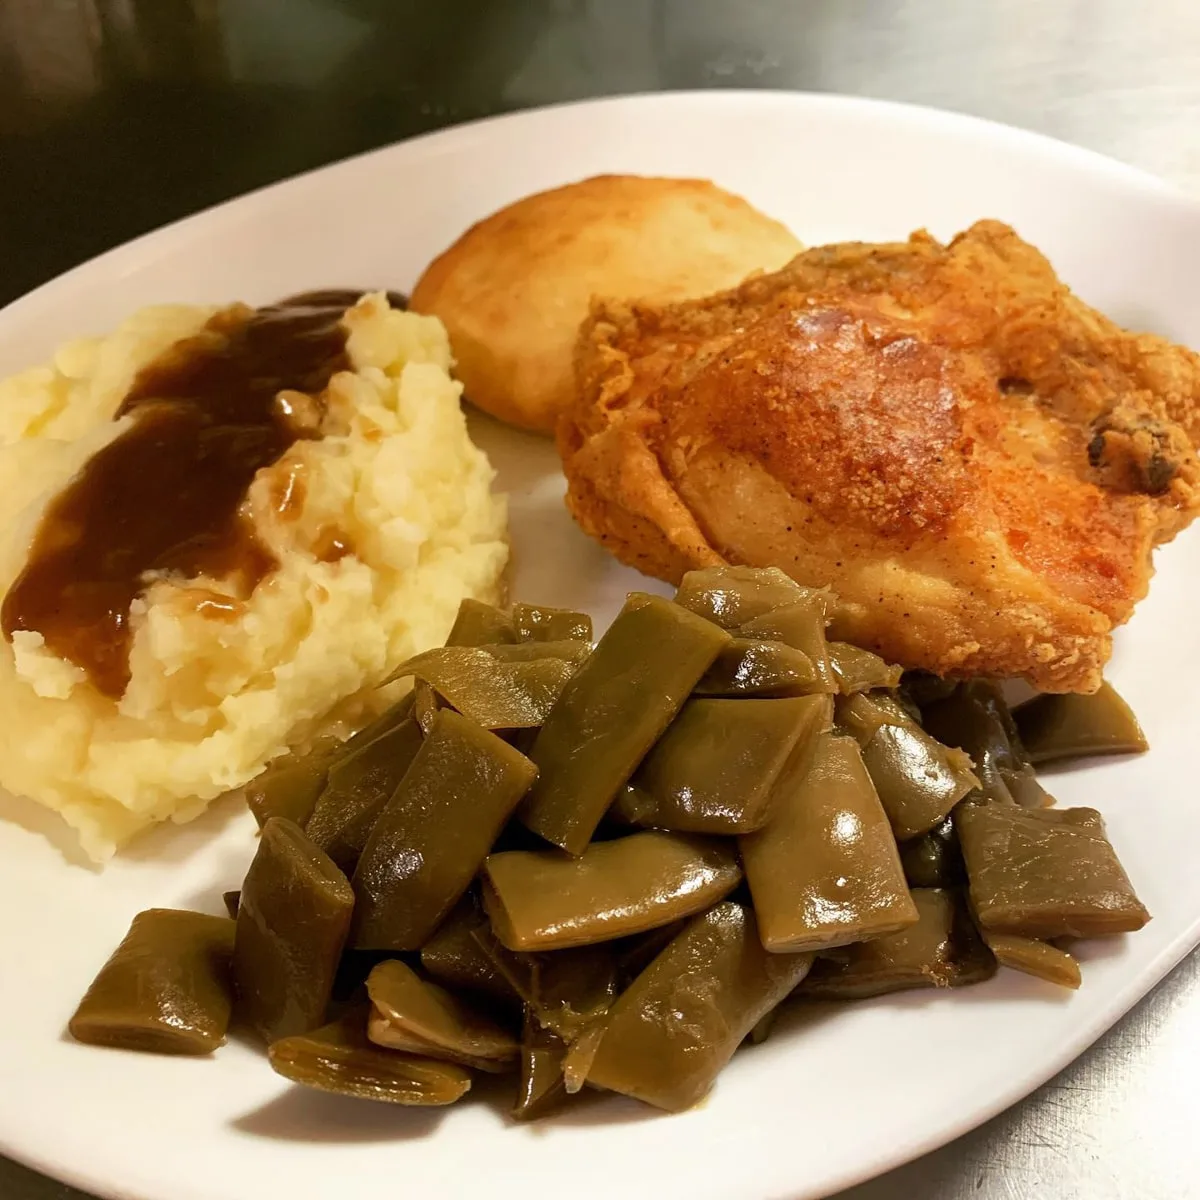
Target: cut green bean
[
  {"x": 414, "y": 1015},
  {"x": 496, "y": 689},
  {"x": 545, "y": 900},
  {"x": 859, "y": 670},
  {"x": 290, "y": 785},
  {"x": 934, "y": 860},
  {"x": 942, "y": 949},
  {"x": 434, "y": 833},
  {"x": 826, "y": 871},
  {"x": 542, "y": 1089},
  {"x": 479, "y": 624},
  {"x": 357, "y": 790},
  {"x": 537, "y": 623},
  {"x": 339, "y": 1058},
  {"x": 680, "y": 1021},
  {"x": 1035, "y": 958},
  {"x": 455, "y": 959},
  {"x": 918, "y": 779},
  {"x": 801, "y": 625},
  {"x": 1058, "y": 727},
  {"x": 292, "y": 922},
  {"x": 752, "y": 667},
  {"x": 166, "y": 988},
  {"x": 611, "y": 712},
  {"x": 1045, "y": 873},
  {"x": 713, "y": 770}
]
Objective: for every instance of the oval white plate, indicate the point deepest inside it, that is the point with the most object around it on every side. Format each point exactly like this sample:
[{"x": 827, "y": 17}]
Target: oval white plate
[{"x": 834, "y": 1096}]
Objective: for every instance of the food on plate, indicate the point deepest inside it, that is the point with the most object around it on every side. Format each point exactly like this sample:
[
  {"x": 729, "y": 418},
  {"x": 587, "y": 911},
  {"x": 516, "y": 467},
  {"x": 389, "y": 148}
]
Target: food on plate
[
  {"x": 542, "y": 1088},
  {"x": 1054, "y": 728},
  {"x": 919, "y": 778},
  {"x": 715, "y": 768},
  {"x": 643, "y": 668},
  {"x": 514, "y": 288},
  {"x": 543, "y": 900},
  {"x": 934, "y": 860},
  {"x": 293, "y": 919},
  {"x": 455, "y": 957},
  {"x": 339, "y": 1058},
  {"x": 975, "y": 719},
  {"x": 356, "y": 789},
  {"x": 1045, "y": 873},
  {"x": 637, "y": 960},
  {"x": 1034, "y": 958},
  {"x": 224, "y": 528},
  {"x": 825, "y": 870},
  {"x": 433, "y": 834},
  {"x": 411, "y": 1013},
  {"x": 943, "y": 949},
  {"x": 975, "y": 461},
  {"x": 674, "y": 1028},
  {"x": 166, "y": 988}
]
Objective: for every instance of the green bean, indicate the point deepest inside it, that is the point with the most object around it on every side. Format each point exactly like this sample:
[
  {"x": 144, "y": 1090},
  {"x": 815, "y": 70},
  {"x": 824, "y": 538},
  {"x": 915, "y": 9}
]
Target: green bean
[
  {"x": 714, "y": 769},
  {"x": 338, "y": 1058},
  {"x": 479, "y": 624},
  {"x": 825, "y": 871},
  {"x": 165, "y": 989},
  {"x": 292, "y": 923},
  {"x": 942, "y": 949},
  {"x": 611, "y": 712},
  {"x": 751, "y": 667},
  {"x": 674, "y": 1028},
  {"x": 934, "y": 860},
  {"x": 567, "y": 990},
  {"x": 542, "y": 1089},
  {"x": 455, "y": 959},
  {"x": 918, "y": 779},
  {"x": 975, "y": 720},
  {"x": 544, "y": 900},
  {"x": 492, "y": 685},
  {"x": 358, "y": 788},
  {"x": 410, "y": 1013},
  {"x": 434, "y": 833},
  {"x": 1035, "y": 958},
  {"x": 861, "y": 716},
  {"x": 801, "y": 625},
  {"x": 859, "y": 670},
  {"x": 536, "y": 623},
  {"x": 1045, "y": 873},
  {"x": 1058, "y": 727},
  {"x": 731, "y": 596},
  {"x": 290, "y": 784}
]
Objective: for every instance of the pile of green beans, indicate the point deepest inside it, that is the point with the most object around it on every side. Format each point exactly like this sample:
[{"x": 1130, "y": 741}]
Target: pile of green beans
[{"x": 609, "y": 866}]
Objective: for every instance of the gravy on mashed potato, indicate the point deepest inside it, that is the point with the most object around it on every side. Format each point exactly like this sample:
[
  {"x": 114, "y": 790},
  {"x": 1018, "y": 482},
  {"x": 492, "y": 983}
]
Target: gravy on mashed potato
[{"x": 223, "y": 528}]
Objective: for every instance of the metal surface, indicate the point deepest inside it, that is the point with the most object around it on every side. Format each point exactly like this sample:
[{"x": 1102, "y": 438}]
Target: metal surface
[{"x": 118, "y": 115}]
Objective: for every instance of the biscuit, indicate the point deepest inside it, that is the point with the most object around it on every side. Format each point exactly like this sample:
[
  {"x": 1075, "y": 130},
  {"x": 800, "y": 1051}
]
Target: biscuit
[{"x": 513, "y": 290}]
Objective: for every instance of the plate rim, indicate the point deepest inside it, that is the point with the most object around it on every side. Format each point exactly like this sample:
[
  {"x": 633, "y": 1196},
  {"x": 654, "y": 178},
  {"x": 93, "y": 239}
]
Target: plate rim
[{"x": 207, "y": 223}]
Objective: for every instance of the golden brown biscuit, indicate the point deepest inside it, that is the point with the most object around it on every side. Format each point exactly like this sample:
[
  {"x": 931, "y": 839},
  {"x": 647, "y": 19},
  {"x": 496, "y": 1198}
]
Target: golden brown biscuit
[{"x": 514, "y": 288}]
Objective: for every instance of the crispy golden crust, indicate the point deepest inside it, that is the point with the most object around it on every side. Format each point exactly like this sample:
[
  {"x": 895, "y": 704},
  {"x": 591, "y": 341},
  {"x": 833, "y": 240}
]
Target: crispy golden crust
[
  {"x": 514, "y": 288},
  {"x": 978, "y": 463}
]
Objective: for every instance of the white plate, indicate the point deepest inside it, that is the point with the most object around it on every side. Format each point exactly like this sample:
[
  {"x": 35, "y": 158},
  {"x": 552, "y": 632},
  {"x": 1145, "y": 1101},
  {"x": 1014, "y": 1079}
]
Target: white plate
[{"x": 832, "y": 1097}]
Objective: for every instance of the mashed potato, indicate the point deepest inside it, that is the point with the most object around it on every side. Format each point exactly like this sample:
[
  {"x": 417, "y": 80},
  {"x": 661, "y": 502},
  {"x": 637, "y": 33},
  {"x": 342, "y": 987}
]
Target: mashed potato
[{"x": 219, "y": 687}]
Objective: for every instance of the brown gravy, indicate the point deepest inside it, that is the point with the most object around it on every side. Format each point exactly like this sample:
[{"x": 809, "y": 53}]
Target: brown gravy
[{"x": 165, "y": 495}]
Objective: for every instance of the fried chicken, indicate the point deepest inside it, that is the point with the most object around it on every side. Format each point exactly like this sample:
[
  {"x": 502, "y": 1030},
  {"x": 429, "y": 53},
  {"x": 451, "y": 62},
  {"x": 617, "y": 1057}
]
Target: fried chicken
[{"x": 976, "y": 462}]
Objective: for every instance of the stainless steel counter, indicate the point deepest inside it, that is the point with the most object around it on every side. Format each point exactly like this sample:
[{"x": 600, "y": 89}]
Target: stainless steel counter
[{"x": 339, "y": 75}]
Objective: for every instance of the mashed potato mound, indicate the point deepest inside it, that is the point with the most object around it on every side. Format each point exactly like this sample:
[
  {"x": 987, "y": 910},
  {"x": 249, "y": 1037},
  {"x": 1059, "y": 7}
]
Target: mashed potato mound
[{"x": 221, "y": 685}]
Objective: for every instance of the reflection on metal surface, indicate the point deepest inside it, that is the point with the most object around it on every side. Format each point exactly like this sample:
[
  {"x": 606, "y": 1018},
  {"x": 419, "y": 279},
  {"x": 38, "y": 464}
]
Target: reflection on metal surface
[{"x": 168, "y": 105}]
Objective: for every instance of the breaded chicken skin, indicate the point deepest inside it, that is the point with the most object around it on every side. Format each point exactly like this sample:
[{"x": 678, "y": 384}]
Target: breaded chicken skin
[{"x": 978, "y": 464}]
